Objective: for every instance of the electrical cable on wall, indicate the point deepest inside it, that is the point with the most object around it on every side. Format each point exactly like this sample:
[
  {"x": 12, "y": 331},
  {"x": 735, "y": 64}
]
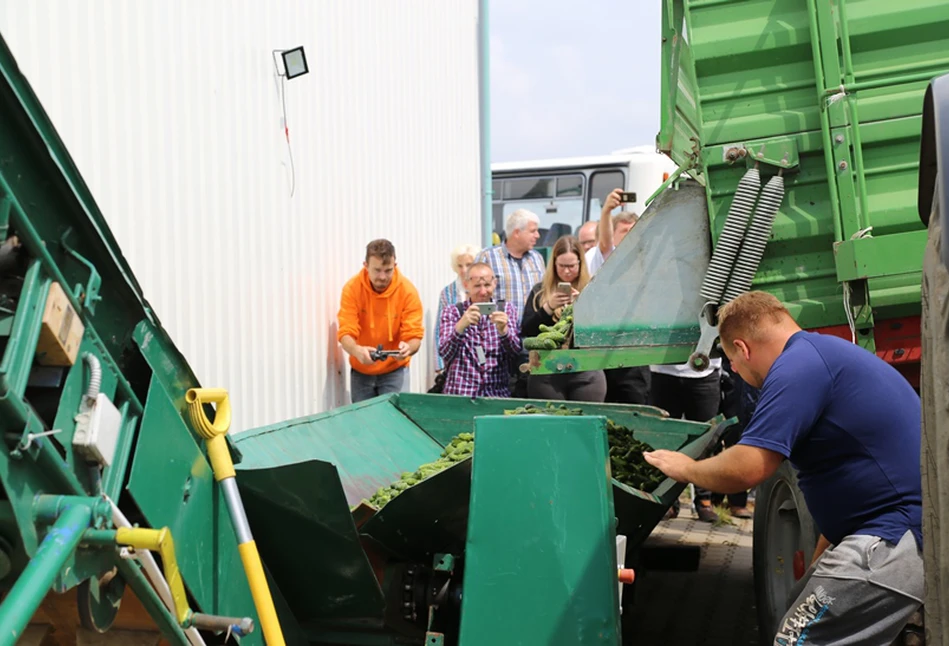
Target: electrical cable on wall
[{"x": 280, "y": 79}]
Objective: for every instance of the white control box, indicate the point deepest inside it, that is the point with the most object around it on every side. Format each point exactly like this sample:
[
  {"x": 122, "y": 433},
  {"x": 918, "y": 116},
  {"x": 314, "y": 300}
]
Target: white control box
[{"x": 97, "y": 431}]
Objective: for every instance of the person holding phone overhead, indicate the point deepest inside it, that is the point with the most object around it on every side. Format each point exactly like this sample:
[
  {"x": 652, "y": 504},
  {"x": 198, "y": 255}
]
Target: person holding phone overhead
[
  {"x": 623, "y": 385},
  {"x": 478, "y": 339},
  {"x": 565, "y": 278}
]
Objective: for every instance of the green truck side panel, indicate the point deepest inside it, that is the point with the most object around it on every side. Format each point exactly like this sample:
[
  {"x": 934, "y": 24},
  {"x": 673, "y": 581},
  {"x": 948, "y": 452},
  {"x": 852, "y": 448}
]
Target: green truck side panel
[{"x": 742, "y": 72}]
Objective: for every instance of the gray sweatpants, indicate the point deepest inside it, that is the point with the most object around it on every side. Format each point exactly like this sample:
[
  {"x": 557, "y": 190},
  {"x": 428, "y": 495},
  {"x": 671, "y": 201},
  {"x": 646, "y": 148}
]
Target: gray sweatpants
[{"x": 862, "y": 591}]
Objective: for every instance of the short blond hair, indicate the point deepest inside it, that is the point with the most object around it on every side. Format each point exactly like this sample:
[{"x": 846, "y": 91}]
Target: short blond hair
[
  {"x": 748, "y": 315},
  {"x": 463, "y": 250},
  {"x": 624, "y": 217}
]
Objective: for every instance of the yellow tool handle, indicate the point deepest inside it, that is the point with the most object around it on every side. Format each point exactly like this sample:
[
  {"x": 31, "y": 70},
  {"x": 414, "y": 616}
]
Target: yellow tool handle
[
  {"x": 269, "y": 623},
  {"x": 196, "y": 398}
]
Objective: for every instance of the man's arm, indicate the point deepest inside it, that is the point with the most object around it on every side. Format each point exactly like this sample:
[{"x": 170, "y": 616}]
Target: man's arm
[
  {"x": 353, "y": 349},
  {"x": 820, "y": 548},
  {"x": 348, "y": 321},
  {"x": 605, "y": 227},
  {"x": 412, "y": 329},
  {"x": 737, "y": 468}
]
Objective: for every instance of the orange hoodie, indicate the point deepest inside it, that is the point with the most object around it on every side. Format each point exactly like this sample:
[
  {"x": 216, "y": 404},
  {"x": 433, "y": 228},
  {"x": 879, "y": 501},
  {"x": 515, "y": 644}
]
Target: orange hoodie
[{"x": 371, "y": 318}]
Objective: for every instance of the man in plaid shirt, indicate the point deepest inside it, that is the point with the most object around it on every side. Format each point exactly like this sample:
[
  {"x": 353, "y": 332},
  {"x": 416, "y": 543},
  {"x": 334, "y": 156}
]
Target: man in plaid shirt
[
  {"x": 518, "y": 267},
  {"x": 477, "y": 349},
  {"x": 514, "y": 262}
]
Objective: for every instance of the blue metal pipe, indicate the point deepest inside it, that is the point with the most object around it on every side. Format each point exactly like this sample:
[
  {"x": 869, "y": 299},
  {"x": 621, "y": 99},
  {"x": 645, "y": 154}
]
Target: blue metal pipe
[
  {"x": 484, "y": 120},
  {"x": 35, "y": 581}
]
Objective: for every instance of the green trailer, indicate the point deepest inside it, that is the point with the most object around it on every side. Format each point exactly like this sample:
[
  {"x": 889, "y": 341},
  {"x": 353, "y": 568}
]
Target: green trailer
[{"x": 796, "y": 125}]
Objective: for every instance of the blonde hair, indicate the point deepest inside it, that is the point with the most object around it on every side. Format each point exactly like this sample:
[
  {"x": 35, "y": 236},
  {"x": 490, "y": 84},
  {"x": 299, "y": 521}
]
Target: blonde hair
[
  {"x": 463, "y": 250},
  {"x": 564, "y": 245},
  {"x": 624, "y": 217},
  {"x": 748, "y": 315}
]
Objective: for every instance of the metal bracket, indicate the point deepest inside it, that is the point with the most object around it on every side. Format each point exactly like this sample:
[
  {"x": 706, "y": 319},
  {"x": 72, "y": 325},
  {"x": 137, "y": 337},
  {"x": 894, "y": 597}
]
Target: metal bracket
[
  {"x": 444, "y": 563},
  {"x": 781, "y": 152},
  {"x": 701, "y": 358},
  {"x": 90, "y": 296}
]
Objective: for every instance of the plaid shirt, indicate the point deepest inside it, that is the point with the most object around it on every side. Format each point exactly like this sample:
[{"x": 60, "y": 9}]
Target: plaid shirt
[
  {"x": 514, "y": 281},
  {"x": 465, "y": 374}
]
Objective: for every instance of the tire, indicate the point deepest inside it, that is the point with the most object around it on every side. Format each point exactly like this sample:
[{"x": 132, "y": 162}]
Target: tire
[{"x": 782, "y": 527}]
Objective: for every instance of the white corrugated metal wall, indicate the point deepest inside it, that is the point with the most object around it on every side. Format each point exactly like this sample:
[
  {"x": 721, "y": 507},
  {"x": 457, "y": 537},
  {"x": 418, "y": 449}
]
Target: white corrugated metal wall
[{"x": 172, "y": 111}]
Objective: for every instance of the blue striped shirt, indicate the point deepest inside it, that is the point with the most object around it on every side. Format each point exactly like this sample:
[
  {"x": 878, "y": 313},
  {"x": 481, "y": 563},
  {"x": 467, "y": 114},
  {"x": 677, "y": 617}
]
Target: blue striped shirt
[{"x": 515, "y": 277}]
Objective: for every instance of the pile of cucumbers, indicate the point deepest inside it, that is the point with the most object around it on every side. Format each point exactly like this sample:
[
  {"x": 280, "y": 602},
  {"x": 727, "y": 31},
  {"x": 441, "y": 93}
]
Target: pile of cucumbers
[
  {"x": 460, "y": 447},
  {"x": 627, "y": 463},
  {"x": 552, "y": 337},
  {"x": 626, "y": 456}
]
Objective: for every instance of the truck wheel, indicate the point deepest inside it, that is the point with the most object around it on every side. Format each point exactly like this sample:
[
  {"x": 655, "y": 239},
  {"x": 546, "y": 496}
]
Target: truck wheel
[{"x": 784, "y": 540}]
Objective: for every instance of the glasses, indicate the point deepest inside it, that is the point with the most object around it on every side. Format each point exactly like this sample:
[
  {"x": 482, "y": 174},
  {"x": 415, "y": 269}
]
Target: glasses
[{"x": 572, "y": 266}]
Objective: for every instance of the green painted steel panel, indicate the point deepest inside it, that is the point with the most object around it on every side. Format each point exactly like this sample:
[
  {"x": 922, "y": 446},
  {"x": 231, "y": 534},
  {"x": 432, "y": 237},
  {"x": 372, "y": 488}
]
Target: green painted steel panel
[
  {"x": 739, "y": 72},
  {"x": 303, "y": 503},
  {"x": 541, "y": 553},
  {"x": 370, "y": 443},
  {"x": 647, "y": 292}
]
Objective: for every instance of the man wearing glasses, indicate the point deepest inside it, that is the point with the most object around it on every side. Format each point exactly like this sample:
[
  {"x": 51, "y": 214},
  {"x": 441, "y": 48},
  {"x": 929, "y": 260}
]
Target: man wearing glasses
[{"x": 478, "y": 339}]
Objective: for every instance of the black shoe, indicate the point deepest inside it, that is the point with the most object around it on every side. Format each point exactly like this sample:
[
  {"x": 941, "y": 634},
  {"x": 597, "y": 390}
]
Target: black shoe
[{"x": 703, "y": 508}]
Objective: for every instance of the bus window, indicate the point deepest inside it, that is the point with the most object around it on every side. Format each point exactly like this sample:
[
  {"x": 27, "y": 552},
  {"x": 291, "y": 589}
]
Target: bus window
[
  {"x": 557, "y": 201},
  {"x": 601, "y": 184}
]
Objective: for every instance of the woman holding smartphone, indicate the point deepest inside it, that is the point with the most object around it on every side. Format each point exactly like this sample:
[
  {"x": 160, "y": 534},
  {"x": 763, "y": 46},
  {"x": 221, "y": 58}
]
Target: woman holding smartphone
[{"x": 565, "y": 278}]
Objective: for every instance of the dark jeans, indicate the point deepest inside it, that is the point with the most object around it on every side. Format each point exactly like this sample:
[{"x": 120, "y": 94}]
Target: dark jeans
[
  {"x": 698, "y": 400},
  {"x": 628, "y": 385},
  {"x": 578, "y": 387}
]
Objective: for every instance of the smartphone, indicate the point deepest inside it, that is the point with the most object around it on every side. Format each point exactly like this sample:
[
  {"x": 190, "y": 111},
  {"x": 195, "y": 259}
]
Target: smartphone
[
  {"x": 501, "y": 303},
  {"x": 627, "y": 197},
  {"x": 486, "y": 309},
  {"x": 566, "y": 288}
]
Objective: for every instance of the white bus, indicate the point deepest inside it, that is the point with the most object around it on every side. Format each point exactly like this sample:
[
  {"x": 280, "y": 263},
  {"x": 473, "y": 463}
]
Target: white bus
[{"x": 567, "y": 192}]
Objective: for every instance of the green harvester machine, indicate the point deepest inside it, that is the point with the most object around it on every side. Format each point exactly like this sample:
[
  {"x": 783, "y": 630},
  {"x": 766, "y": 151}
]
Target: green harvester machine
[{"x": 126, "y": 507}]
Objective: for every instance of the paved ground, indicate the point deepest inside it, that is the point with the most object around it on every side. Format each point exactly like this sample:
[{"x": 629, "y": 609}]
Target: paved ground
[{"x": 714, "y": 606}]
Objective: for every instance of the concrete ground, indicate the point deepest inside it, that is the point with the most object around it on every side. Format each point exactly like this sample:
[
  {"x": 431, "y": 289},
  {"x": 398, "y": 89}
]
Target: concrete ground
[{"x": 714, "y": 606}]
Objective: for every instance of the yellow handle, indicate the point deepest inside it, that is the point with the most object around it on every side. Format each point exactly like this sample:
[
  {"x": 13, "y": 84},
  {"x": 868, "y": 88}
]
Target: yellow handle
[
  {"x": 213, "y": 432},
  {"x": 257, "y": 580},
  {"x": 196, "y": 398},
  {"x": 160, "y": 540}
]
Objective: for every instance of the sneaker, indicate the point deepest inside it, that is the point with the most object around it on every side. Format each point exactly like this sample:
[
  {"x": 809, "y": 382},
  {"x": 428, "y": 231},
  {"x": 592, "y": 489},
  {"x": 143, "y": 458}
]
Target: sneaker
[
  {"x": 741, "y": 512},
  {"x": 703, "y": 509}
]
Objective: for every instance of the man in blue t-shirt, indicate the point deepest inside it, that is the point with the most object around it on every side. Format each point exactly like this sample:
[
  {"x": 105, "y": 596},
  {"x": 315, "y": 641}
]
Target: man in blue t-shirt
[{"x": 850, "y": 425}]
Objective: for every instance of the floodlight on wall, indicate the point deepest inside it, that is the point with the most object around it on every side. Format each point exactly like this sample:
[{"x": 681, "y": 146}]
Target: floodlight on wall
[{"x": 294, "y": 62}]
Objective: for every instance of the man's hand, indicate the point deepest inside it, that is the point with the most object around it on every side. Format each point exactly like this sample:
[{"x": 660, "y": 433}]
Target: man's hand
[
  {"x": 405, "y": 350},
  {"x": 672, "y": 463},
  {"x": 613, "y": 200},
  {"x": 471, "y": 317},
  {"x": 499, "y": 319},
  {"x": 361, "y": 352}
]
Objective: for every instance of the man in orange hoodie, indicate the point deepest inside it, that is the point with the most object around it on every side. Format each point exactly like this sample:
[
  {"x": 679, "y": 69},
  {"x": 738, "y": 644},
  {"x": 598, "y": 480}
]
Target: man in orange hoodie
[{"x": 379, "y": 307}]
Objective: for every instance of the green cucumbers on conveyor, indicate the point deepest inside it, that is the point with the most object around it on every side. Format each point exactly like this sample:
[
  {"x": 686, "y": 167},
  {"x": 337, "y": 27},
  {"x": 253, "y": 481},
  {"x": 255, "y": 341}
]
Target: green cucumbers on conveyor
[{"x": 460, "y": 447}]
